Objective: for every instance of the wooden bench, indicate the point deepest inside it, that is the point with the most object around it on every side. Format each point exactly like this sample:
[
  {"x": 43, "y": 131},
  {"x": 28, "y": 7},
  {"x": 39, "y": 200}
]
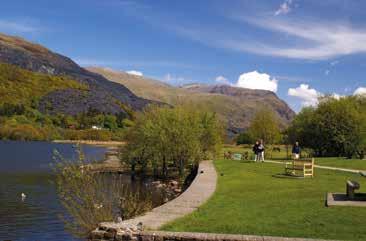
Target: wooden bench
[
  {"x": 304, "y": 166},
  {"x": 351, "y": 186}
]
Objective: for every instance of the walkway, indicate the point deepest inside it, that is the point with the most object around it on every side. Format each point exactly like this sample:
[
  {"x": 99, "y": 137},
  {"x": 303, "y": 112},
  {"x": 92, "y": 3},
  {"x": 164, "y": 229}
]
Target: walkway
[
  {"x": 327, "y": 167},
  {"x": 198, "y": 192},
  {"x": 186, "y": 236}
]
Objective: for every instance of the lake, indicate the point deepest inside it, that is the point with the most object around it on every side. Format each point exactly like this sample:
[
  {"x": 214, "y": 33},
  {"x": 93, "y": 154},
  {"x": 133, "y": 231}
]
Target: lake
[{"x": 25, "y": 168}]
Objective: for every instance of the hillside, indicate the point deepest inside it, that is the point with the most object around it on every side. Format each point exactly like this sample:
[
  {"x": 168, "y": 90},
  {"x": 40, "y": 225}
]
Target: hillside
[
  {"x": 235, "y": 106},
  {"x": 265, "y": 97},
  {"x": 19, "y": 86},
  {"x": 102, "y": 95}
]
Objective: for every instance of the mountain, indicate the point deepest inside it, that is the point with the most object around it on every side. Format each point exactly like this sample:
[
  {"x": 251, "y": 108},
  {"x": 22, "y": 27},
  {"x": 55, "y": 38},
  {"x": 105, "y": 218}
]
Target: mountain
[
  {"x": 100, "y": 94},
  {"x": 267, "y": 98},
  {"x": 235, "y": 106}
]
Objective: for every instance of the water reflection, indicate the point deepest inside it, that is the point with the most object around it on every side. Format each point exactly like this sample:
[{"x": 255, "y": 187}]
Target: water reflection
[{"x": 25, "y": 168}]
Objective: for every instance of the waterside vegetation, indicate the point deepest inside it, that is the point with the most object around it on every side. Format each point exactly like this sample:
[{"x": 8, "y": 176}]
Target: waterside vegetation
[{"x": 169, "y": 141}]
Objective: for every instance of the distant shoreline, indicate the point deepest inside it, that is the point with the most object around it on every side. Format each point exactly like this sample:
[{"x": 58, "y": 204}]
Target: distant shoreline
[{"x": 91, "y": 142}]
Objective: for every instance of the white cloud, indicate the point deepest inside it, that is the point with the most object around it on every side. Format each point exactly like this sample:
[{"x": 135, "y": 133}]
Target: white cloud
[
  {"x": 337, "y": 96},
  {"x": 300, "y": 38},
  {"x": 256, "y": 80},
  {"x": 222, "y": 79},
  {"x": 171, "y": 79},
  {"x": 360, "y": 91},
  {"x": 16, "y": 27},
  {"x": 134, "y": 72},
  {"x": 316, "y": 40},
  {"x": 284, "y": 8},
  {"x": 308, "y": 96}
]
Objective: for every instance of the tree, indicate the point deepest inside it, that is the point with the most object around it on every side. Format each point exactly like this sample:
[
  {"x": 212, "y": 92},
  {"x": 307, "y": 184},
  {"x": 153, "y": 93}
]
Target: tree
[
  {"x": 334, "y": 128},
  {"x": 244, "y": 138},
  {"x": 164, "y": 137},
  {"x": 110, "y": 122},
  {"x": 265, "y": 126}
]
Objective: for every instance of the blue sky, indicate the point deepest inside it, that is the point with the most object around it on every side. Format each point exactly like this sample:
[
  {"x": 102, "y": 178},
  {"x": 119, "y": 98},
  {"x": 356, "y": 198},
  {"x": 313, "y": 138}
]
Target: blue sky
[{"x": 298, "y": 48}]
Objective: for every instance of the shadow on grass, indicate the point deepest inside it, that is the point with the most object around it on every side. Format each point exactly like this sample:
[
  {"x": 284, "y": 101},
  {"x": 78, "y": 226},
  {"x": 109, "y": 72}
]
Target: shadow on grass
[{"x": 284, "y": 175}]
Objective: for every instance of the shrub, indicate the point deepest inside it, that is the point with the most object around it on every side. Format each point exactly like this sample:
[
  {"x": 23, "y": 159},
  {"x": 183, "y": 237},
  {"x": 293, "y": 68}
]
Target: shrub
[
  {"x": 91, "y": 198},
  {"x": 94, "y": 135}
]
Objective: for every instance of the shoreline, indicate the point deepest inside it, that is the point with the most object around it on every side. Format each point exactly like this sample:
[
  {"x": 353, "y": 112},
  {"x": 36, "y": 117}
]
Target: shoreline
[
  {"x": 185, "y": 203},
  {"x": 91, "y": 142}
]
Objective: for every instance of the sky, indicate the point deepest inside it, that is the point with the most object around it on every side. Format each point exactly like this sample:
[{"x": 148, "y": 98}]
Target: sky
[{"x": 299, "y": 49}]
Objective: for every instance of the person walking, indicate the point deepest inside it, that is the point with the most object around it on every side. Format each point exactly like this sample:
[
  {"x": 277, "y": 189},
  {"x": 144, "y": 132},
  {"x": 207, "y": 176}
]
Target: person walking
[
  {"x": 296, "y": 151},
  {"x": 261, "y": 151},
  {"x": 255, "y": 150}
]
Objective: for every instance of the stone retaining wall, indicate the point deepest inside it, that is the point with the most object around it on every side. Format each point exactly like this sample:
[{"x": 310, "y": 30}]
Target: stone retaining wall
[
  {"x": 186, "y": 236},
  {"x": 200, "y": 190}
]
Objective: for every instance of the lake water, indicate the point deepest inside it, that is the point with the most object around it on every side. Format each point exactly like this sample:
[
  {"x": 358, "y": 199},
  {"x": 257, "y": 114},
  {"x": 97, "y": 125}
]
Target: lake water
[{"x": 25, "y": 167}]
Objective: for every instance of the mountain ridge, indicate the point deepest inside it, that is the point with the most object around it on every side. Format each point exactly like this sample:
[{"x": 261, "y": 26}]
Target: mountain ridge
[
  {"x": 103, "y": 95},
  {"x": 234, "y": 109}
]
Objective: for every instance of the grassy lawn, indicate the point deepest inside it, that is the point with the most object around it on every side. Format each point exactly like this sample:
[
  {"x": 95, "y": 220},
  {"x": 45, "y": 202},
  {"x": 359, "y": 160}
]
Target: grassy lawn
[
  {"x": 324, "y": 161},
  {"x": 342, "y": 162},
  {"x": 250, "y": 200}
]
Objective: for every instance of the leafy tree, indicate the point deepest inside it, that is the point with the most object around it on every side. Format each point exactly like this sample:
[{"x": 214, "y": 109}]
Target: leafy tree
[
  {"x": 265, "y": 126},
  {"x": 110, "y": 122},
  {"x": 127, "y": 123},
  {"x": 244, "y": 138},
  {"x": 166, "y": 137},
  {"x": 334, "y": 128},
  {"x": 98, "y": 120},
  {"x": 69, "y": 122}
]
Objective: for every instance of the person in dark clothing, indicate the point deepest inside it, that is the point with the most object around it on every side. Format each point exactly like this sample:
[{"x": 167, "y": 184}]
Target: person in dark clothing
[
  {"x": 256, "y": 151},
  {"x": 261, "y": 151},
  {"x": 296, "y": 151}
]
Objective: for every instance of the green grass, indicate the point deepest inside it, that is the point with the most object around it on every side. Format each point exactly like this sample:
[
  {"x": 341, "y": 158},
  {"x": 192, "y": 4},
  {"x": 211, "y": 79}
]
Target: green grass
[
  {"x": 323, "y": 161},
  {"x": 250, "y": 200},
  {"x": 342, "y": 162}
]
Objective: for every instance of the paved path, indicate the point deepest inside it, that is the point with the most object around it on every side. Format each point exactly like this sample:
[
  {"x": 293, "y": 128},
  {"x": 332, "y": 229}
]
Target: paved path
[
  {"x": 187, "y": 236},
  {"x": 327, "y": 167},
  {"x": 198, "y": 192}
]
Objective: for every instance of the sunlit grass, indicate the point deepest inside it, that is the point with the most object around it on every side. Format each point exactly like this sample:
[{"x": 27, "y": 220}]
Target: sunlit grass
[{"x": 250, "y": 200}]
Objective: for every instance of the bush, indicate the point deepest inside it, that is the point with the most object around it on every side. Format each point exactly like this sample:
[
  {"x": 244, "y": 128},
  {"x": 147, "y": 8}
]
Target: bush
[
  {"x": 23, "y": 132},
  {"x": 91, "y": 198},
  {"x": 94, "y": 135}
]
